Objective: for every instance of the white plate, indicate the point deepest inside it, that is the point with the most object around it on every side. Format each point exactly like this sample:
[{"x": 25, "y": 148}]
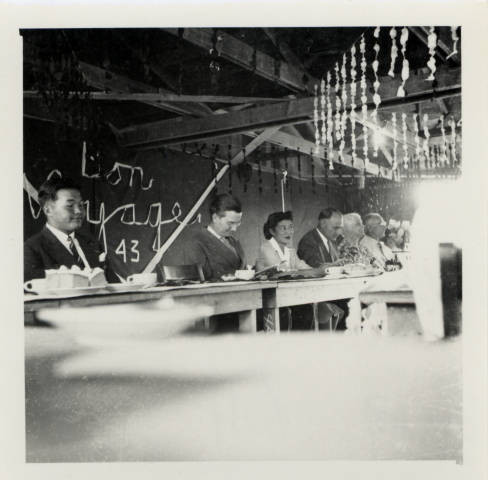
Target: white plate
[
  {"x": 365, "y": 273},
  {"x": 126, "y": 287},
  {"x": 69, "y": 292}
]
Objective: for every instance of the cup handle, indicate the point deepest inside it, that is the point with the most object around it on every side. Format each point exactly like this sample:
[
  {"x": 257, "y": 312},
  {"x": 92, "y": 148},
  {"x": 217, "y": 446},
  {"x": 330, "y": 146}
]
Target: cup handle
[{"x": 28, "y": 286}]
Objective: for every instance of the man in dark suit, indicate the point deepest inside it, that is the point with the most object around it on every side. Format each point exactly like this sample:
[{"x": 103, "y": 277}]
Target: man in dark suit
[
  {"x": 213, "y": 247},
  {"x": 217, "y": 251},
  {"x": 60, "y": 242},
  {"x": 317, "y": 248}
]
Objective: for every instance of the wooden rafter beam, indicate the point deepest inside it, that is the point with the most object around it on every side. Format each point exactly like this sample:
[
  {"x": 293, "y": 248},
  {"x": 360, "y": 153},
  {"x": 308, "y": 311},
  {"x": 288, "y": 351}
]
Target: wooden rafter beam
[
  {"x": 244, "y": 55},
  {"x": 155, "y": 68},
  {"x": 107, "y": 81},
  {"x": 282, "y": 113},
  {"x": 442, "y": 106},
  {"x": 422, "y": 35},
  {"x": 443, "y": 47},
  {"x": 287, "y": 53},
  {"x": 307, "y": 147},
  {"x": 387, "y": 154},
  {"x": 165, "y": 97}
]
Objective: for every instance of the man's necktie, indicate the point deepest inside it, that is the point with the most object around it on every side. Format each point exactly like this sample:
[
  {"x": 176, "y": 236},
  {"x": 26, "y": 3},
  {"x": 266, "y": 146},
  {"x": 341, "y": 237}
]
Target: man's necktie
[
  {"x": 226, "y": 242},
  {"x": 74, "y": 252}
]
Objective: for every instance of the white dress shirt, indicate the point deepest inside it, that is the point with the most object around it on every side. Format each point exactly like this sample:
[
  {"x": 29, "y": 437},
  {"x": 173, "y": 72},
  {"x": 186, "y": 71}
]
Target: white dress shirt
[
  {"x": 63, "y": 238},
  {"x": 284, "y": 256}
]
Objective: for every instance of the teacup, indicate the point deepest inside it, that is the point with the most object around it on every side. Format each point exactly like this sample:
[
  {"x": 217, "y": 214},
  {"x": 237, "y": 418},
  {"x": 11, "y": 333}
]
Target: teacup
[
  {"x": 144, "y": 278},
  {"x": 35, "y": 285},
  {"x": 244, "y": 274}
]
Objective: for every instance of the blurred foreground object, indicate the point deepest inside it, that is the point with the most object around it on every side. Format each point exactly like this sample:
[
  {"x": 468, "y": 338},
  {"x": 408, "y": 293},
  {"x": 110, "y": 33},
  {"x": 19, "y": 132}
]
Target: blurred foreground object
[
  {"x": 308, "y": 396},
  {"x": 108, "y": 324},
  {"x": 438, "y": 229}
]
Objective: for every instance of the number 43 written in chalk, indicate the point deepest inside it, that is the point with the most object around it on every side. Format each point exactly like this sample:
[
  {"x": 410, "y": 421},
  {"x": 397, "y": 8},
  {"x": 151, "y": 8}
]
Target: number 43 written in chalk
[{"x": 133, "y": 252}]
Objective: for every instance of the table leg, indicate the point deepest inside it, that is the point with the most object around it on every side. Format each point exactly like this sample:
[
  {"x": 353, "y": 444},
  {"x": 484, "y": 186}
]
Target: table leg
[
  {"x": 271, "y": 320},
  {"x": 247, "y": 321},
  {"x": 315, "y": 313},
  {"x": 353, "y": 320}
]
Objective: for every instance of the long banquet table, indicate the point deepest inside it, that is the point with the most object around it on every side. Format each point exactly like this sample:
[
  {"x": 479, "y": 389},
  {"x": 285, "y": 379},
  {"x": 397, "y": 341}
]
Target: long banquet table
[{"x": 243, "y": 298}]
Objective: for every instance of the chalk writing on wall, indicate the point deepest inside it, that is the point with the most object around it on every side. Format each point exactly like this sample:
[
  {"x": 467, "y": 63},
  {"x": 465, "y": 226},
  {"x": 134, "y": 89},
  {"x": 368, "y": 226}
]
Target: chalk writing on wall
[
  {"x": 33, "y": 195},
  {"x": 127, "y": 214},
  {"x": 114, "y": 175}
]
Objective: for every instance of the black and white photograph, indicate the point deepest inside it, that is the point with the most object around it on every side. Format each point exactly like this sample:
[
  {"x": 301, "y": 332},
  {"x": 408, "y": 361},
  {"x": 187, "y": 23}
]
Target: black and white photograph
[{"x": 244, "y": 243}]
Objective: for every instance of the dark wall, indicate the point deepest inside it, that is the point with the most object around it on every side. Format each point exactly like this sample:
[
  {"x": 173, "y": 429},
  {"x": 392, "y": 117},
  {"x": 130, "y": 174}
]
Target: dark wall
[{"x": 136, "y": 207}]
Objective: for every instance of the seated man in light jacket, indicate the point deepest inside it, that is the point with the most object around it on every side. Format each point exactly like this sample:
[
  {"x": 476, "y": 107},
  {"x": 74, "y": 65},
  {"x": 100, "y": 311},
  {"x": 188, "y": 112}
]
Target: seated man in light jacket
[{"x": 374, "y": 229}]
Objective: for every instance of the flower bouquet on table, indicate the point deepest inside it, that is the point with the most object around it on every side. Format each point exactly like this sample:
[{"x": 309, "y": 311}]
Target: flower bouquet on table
[{"x": 355, "y": 254}]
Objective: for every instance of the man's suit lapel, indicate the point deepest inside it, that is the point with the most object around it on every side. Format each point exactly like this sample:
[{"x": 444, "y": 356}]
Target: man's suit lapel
[
  {"x": 90, "y": 249},
  {"x": 222, "y": 249},
  {"x": 55, "y": 249}
]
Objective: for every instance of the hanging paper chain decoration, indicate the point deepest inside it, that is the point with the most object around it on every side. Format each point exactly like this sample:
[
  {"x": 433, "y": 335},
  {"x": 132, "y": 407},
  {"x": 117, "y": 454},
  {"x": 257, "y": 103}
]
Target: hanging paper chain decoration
[
  {"x": 404, "y": 139},
  {"x": 322, "y": 110},
  {"x": 431, "y": 43},
  {"x": 244, "y": 161},
  {"x": 260, "y": 177},
  {"x": 455, "y": 40},
  {"x": 275, "y": 170},
  {"x": 287, "y": 186},
  {"x": 353, "y": 103},
  {"x": 444, "y": 142},
  {"x": 229, "y": 160},
  {"x": 376, "y": 84},
  {"x": 324, "y": 161},
  {"x": 394, "y": 126},
  {"x": 299, "y": 161},
  {"x": 344, "y": 111},
  {"x": 337, "y": 124},
  {"x": 316, "y": 119},
  {"x": 417, "y": 139},
  {"x": 330, "y": 121},
  {"x": 452, "y": 124},
  {"x": 394, "y": 52},
  {"x": 426, "y": 137},
  {"x": 364, "y": 98},
  {"x": 405, "y": 65},
  {"x": 313, "y": 172}
]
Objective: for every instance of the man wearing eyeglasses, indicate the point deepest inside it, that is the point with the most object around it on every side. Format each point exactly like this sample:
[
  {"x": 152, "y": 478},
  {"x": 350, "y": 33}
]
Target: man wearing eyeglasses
[
  {"x": 60, "y": 242},
  {"x": 374, "y": 229}
]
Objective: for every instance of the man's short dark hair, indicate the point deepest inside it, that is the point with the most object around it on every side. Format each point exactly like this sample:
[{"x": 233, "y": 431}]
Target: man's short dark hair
[
  {"x": 329, "y": 212},
  {"x": 224, "y": 203},
  {"x": 49, "y": 189}
]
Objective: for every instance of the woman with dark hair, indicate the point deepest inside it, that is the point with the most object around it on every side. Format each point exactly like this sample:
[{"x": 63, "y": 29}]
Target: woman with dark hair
[{"x": 278, "y": 249}]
